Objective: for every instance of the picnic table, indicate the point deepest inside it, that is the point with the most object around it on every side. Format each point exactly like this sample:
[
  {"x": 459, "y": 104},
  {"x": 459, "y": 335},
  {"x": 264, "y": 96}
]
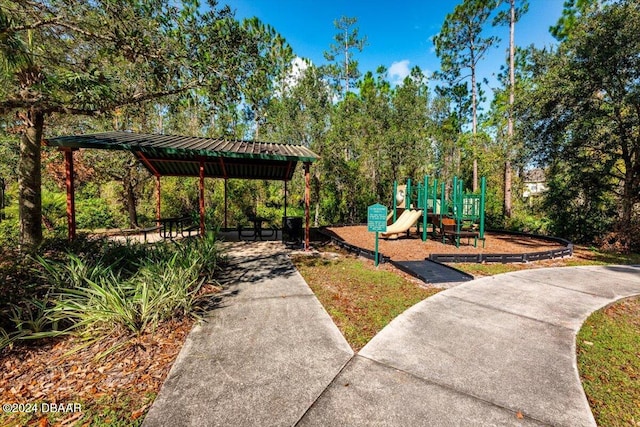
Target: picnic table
[
  {"x": 258, "y": 231},
  {"x": 178, "y": 225}
]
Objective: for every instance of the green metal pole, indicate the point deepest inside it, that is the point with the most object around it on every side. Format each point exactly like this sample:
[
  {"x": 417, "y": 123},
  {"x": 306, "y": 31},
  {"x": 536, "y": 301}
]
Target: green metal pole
[
  {"x": 407, "y": 196},
  {"x": 443, "y": 201},
  {"x": 435, "y": 196},
  {"x": 454, "y": 198},
  {"x": 395, "y": 202},
  {"x": 376, "y": 255},
  {"x": 443, "y": 207},
  {"x": 483, "y": 191},
  {"x": 425, "y": 197},
  {"x": 460, "y": 202}
]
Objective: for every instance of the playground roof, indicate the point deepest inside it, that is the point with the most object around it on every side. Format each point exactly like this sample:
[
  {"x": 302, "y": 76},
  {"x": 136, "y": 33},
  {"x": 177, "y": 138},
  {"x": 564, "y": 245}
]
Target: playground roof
[{"x": 168, "y": 155}]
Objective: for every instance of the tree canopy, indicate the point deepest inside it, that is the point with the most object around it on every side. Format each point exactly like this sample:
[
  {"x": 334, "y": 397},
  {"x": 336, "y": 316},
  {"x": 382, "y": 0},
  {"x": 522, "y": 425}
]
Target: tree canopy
[
  {"x": 77, "y": 57},
  {"x": 162, "y": 66},
  {"x": 584, "y": 119}
]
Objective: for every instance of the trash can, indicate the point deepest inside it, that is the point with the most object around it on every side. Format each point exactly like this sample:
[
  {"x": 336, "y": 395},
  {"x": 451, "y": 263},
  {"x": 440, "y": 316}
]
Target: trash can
[{"x": 292, "y": 229}]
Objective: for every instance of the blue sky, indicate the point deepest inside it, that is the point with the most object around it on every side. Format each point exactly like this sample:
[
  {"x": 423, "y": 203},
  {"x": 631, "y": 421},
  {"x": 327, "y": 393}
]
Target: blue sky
[{"x": 398, "y": 32}]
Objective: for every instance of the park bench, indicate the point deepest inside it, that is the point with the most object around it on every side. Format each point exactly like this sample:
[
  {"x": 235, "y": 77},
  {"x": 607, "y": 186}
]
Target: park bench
[
  {"x": 189, "y": 227},
  {"x": 144, "y": 231},
  {"x": 151, "y": 229},
  {"x": 450, "y": 230}
]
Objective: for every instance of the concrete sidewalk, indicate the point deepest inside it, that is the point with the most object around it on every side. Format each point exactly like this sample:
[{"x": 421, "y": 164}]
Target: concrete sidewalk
[
  {"x": 495, "y": 351},
  {"x": 262, "y": 358}
]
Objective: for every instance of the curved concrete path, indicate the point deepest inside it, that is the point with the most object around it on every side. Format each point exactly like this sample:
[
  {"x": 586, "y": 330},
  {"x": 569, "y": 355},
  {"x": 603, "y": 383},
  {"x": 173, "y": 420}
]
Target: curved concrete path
[{"x": 495, "y": 351}]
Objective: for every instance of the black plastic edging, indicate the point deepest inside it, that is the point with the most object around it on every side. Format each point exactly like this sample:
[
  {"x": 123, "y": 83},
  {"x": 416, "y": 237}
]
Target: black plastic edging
[
  {"x": 565, "y": 242},
  {"x": 383, "y": 258},
  {"x": 355, "y": 249},
  {"x": 510, "y": 258},
  {"x": 475, "y": 258}
]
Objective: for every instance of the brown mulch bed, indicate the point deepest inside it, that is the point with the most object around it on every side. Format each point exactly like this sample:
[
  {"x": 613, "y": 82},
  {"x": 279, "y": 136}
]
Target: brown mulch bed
[
  {"x": 57, "y": 372},
  {"x": 413, "y": 248}
]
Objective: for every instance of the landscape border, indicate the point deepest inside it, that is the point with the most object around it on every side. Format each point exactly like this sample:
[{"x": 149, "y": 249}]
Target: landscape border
[
  {"x": 524, "y": 257},
  {"x": 565, "y": 251}
]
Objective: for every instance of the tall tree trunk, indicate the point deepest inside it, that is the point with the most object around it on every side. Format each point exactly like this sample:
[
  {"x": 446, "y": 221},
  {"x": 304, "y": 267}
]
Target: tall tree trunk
[
  {"x": 507, "y": 189},
  {"x": 512, "y": 84},
  {"x": 130, "y": 198},
  {"x": 30, "y": 180},
  {"x": 474, "y": 123},
  {"x": 131, "y": 206},
  {"x": 316, "y": 191},
  {"x": 346, "y": 62},
  {"x": 629, "y": 198}
]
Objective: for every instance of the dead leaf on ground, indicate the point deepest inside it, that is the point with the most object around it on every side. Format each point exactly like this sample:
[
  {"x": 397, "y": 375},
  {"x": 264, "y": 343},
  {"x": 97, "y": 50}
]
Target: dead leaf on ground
[
  {"x": 48, "y": 372},
  {"x": 137, "y": 413},
  {"x": 72, "y": 418}
]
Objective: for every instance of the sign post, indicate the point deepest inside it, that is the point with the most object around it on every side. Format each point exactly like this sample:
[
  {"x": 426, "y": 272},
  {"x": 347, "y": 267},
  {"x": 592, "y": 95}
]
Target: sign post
[{"x": 377, "y": 222}]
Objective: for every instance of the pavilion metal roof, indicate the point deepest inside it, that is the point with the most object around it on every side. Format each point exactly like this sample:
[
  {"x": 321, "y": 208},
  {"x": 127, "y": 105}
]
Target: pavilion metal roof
[{"x": 170, "y": 155}]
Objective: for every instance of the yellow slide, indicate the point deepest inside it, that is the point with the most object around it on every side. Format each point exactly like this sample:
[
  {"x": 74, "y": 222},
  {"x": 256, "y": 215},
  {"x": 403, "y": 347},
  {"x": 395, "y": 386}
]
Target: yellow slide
[{"x": 402, "y": 224}]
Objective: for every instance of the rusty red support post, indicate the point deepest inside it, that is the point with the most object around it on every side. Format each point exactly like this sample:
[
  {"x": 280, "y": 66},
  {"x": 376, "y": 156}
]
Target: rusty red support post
[
  {"x": 158, "y": 206},
  {"x": 71, "y": 203},
  {"x": 307, "y": 201},
  {"x": 201, "y": 197},
  {"x": 225, "y": 203}
]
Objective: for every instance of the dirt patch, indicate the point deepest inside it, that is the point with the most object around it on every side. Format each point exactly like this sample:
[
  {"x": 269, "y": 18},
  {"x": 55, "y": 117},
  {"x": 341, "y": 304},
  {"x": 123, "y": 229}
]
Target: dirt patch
[{"x": 413, "y": 248}]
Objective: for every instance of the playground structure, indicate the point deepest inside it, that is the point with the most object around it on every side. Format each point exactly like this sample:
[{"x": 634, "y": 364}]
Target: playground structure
[{"x": 458, "y": 216}]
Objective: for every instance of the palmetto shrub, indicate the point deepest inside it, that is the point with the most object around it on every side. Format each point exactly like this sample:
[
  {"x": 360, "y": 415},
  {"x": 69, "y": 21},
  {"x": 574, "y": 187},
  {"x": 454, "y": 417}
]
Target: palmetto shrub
[
  {"x": 107, "y": 286},
  {"x": 161, "y": 282}
]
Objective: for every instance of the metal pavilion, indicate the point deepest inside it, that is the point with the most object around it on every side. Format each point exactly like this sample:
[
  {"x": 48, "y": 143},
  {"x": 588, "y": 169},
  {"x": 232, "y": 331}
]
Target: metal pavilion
[{"x": 169, "y": 155}]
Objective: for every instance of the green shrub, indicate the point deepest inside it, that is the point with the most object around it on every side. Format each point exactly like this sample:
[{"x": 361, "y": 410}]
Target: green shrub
[
  {"x": 94, "y": 213},
  {"x": 54, "y": 208},
  {"x": 156, "y": 292},
  {"x": 32, "y": 319},
  {"x": 105, "y": 286},
  {"x": 9, "y": 233},
  {"x": 529, "y": 223}
]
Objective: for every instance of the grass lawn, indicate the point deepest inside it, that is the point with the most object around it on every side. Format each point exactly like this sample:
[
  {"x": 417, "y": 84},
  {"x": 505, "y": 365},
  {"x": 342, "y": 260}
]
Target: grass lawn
[
  {"x": 608, "y": 347},
  {"x": 360, "y": 298}
]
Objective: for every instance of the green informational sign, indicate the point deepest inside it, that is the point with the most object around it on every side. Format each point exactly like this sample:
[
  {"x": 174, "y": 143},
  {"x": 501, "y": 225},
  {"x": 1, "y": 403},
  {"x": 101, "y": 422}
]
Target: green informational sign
[
  {"x": 377, "y": 222},
  {"x": 377, "y": 218}
]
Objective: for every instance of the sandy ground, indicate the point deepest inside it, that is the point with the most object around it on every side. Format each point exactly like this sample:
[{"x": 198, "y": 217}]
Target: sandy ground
[{"x": 413, "y": 248}]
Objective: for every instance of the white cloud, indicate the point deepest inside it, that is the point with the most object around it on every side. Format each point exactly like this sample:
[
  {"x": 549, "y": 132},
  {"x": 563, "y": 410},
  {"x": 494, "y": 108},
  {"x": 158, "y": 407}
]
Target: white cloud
[
  {"x": 296, "y": 71},
  {"x": 398, "y": 71}
]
